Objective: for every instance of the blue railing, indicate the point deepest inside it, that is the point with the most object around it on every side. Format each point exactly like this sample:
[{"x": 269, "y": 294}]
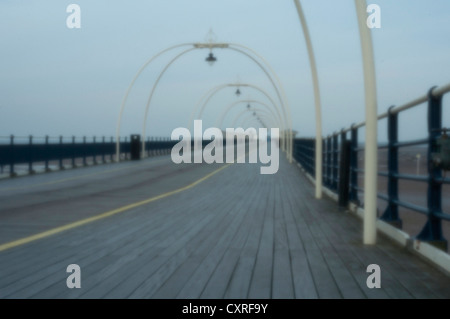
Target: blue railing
[
  {"x": 337, "y": 167},
  {"x": 62, "y": 152}
]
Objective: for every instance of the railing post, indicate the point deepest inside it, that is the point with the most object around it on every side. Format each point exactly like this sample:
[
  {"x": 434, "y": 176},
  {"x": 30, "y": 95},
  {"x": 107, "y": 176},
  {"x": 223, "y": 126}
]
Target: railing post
[
  {"x": 12, "y": 173},
  {"x": 103, "y": 150},
  {"x": 84, "y": 151},
  {"x": 324, "y": 162},
  {"x": 121, "y": 150},
  {"x": 313, "y": 158},
  {"x": 150, "y": 146},
  {"x": 432, "y": 231},
  {"x": 61, "y": 166},
  {"x": 94, "y": 155},
  {"x": 111, "y": 155},
  {"x": 335, "y": 161},
  {"x": 344, "y": 170},
  {"x": 11, "y": 159},
  {"x": 329, "y": 162},
  {"x": 46, "y": 154},
  {"x": 126, "y": 153},
  {"x": 390, "y": 215},
  {"x": 354, "y": 166},
  {"x": 73, "y": 152},
  {"x": 30, "y": 154}
]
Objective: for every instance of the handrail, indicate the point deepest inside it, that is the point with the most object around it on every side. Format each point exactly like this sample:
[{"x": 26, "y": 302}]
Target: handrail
[
  {"x": 28, "y": 151},
  {"x": 436, "y": 92},
  {"x": 341, "y": 175}
]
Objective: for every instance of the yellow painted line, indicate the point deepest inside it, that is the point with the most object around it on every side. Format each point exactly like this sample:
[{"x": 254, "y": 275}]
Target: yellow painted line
[
  {"x": 85, "y": 221},
  {"x": 76, "y": 177}
]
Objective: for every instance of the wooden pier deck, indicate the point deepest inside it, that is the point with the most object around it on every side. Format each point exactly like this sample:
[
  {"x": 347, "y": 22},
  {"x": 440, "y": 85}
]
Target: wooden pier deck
[{"x": 217, "y": 231}]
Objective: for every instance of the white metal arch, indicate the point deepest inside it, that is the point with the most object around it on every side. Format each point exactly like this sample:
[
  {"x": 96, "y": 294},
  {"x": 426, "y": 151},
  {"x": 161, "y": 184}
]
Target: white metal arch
[
  {"x": 370, "y": 158},
  {"x": 220, "y": 119},
  {"x": 195, "y": 46},
  {"x": 287, "y": 137},
  {"x": 257, "y": 111},
  {"x": 247, "y": 118}
]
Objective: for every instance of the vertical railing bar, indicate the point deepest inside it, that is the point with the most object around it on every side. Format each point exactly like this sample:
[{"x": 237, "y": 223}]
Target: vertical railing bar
[
  {"x": 432, "y": 231},
  {"x": 60, "y": 153},
  {"x": 354, "y": 166},
  {"x": 84, "y": 151},
  {"x": 390, "y": 215},
  {"x": 335, "y": 161},
  {"x": 30, "y": 154},
  {"x": 46, "y": 154}
]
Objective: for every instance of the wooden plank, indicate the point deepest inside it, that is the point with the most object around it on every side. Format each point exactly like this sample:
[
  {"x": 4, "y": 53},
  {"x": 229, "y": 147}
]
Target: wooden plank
[
  {"x": 125, "y": 280},
  {"x": 248, "y": 236},
  {"x": 110, "y": 238},
  {"x": 250, "y": 207},
  {"x": 302, "y": 278},
  {"x": 118, "y": 234},
  {"x": 198, "y": 245},
  {"x": 241, "y": 277},
  {"x": 424, "y": 272},
  {"x": 282, "y": 286},
  {"x": 261, "y": 281},
  {"x": 392, "y": 287},
  {"x": 87, "y": 254},
  {"x": 201, "y": 247},
  {"x": 326, "y": 287},
  {"x": 98, "y": 270},
  {"x": 351, "y": 252},
  {"x": 196, "y": 284}
]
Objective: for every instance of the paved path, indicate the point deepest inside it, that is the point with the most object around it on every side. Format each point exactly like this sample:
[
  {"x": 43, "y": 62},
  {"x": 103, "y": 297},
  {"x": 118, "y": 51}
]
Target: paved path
[{"x": 235, "y": 234}]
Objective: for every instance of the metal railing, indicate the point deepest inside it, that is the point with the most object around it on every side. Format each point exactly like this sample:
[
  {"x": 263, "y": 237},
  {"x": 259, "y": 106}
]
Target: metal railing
[
  {"x": 341, "y": 163},
  {"x": 61, "y": 152}
]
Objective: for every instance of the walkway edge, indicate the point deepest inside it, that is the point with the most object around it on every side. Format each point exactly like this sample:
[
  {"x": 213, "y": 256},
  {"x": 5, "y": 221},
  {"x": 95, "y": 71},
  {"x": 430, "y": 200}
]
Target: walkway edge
[{"x": 433, "y": 255}]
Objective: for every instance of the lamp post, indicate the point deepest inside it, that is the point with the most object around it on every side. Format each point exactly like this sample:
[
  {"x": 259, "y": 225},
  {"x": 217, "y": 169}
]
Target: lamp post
[
  {"x": 315, "y": 79},
  {"x": 370, "y": 159},
  {"x": 371, "y": 147}
]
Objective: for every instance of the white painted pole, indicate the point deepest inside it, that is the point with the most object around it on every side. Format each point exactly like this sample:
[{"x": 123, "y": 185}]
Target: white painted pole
[
  {"x": 371, "y": 149},
  {"x": 315, "y": 78}
]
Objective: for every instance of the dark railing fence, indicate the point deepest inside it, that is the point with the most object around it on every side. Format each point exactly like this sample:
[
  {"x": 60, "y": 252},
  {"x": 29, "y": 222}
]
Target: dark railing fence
[
  {"x": 341, "y": 171},
  {"x": 63, "y": 151}
]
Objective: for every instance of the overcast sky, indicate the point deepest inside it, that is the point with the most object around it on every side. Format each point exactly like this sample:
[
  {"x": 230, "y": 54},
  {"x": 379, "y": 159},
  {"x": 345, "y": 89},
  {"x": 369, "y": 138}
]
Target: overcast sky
[{"x": 60, "y": 81}]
